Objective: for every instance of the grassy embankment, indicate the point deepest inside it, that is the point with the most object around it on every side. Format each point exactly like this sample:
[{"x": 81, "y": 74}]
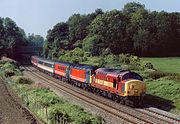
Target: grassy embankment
[
  {"x": 43, "y": 102},
  {"x": 167, "y": 85}
]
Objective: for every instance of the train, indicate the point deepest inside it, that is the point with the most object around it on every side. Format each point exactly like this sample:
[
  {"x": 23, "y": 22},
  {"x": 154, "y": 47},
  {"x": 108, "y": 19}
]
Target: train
[{"x": 124, "y": 86}]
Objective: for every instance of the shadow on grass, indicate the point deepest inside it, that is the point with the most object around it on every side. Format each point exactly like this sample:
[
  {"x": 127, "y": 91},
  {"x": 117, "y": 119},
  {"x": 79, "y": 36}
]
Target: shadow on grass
[{"x": 158, "y": 102}]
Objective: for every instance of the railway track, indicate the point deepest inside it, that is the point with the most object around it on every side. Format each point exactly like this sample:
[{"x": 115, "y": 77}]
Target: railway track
[
  {"x": 172, "y": 119},
  {"x": 130, "y": 115}
]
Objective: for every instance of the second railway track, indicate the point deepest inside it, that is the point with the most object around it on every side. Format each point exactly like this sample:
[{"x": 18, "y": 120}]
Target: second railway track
[{"x": 130, "y": 115}]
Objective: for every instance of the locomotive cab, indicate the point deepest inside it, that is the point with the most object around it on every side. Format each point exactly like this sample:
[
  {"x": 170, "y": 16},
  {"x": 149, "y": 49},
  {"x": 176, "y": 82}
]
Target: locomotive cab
[{"x": 135, "y": 88}]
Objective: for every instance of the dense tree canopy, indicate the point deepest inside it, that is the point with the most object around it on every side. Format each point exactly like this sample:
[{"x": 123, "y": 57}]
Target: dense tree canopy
[
  {"x": 35, "y": 40},
  {"x": 11, "y": 36},
  {"x": 133, "y": 30},
  {"x": 112, "y": 27}
]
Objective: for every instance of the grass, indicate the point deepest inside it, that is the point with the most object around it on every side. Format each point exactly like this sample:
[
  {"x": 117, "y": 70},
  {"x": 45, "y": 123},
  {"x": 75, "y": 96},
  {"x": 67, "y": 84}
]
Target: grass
[
  {"x": 166, "y": 89},
  {"x": 167, "y": 85},
  {"x": 165, "y": 64}
]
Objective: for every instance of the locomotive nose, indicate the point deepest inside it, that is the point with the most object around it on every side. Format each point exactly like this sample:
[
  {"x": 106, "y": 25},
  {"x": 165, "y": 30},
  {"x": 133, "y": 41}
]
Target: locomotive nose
[{"x": 135, "y": 88}]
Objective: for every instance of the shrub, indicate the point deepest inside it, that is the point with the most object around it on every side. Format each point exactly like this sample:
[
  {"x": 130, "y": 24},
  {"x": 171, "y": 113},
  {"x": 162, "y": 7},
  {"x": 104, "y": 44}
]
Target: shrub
[
  {"x": 10, "y": 66},
  {"x": 23, "y": 80},
  {"x": 147, "y": 65},
  {"x": 73, "y": 114},
  {"x": 124, "y": 58},
  {"x": 9, "y": 73},
  {"x": 157, "y": 74},
  {"x": 175, "y": 77},
  {"x": 57, "y": 110}
]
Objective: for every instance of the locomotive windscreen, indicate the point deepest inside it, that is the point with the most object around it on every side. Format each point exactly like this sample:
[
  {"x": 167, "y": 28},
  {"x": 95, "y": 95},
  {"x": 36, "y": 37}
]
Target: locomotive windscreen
[{"x": 132, "y": 75}]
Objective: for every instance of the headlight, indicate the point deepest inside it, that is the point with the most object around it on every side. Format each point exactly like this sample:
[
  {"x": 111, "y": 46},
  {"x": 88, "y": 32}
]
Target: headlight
[{"x": 136, "y": 91}]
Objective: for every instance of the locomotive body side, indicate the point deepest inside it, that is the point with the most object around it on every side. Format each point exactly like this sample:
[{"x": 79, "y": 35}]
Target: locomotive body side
[{"x": 127, "y": 86}]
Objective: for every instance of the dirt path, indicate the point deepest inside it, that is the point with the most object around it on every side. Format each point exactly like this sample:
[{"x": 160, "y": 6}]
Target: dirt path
[{"x": 11, "y": 111}]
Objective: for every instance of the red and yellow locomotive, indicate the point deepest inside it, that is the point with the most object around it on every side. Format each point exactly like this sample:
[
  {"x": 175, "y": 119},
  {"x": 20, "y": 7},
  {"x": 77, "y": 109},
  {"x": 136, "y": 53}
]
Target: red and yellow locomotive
[{"x": 122, "y": 85}]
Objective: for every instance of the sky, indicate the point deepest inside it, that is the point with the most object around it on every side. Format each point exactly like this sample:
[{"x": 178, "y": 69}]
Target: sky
[{"x": 38, "y": 16}]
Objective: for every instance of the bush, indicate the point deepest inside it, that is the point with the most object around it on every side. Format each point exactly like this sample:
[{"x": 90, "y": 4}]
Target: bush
[
  {"x": 175, "y": 77},
  {"x": 8, "y": 69},
  {"x": 157, "y": 74},
  {"x": 57, "y": 110},
  {"x": 23, "y": 80},
  {"x": 73, "y": 114},
  {"x": 147, "y": 65},
  {"x": 124, "y": 58},
  {"x": 9, "y": 73}
]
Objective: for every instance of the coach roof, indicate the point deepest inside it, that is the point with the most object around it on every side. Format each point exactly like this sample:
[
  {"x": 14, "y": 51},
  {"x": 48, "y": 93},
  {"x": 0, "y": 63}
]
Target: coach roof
[{"x": 84, "y": 66}]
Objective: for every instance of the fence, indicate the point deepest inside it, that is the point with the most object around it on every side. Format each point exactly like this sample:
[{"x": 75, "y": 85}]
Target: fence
[{"x": 43, "y": 112}]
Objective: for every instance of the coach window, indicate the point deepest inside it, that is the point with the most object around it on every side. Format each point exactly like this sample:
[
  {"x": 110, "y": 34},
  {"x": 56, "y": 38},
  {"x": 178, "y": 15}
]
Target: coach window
[{"x": 114, "y": 83}]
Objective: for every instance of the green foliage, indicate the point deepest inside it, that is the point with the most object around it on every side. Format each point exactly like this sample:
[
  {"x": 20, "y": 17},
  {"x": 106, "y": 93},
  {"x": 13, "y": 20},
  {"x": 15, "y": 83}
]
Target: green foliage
[
  {"x": 175, "y": 77},
  {"x": 11, "y": 37},
  {"x": 57, "y": 39},
  {"x": 22, "y": 80},
  {"x": 78, "y": 26},
  {"x": 75, "y": 56},
  {"x": 167, "y": 89},
  {"x": 147, "y": 65},
  {"x": 35, "y": 40},
  {"x": 9, "y": 73},
  {"x": 133, "y": 30},
  {"x": 132, "y": 7},
  {"x": 157, "y": 74},
  {"x": 111, "y": 27},
  {"x": 57, "y": 110},
  {"x": 9, "y": 69},
  {"x": 74, "y": 114},
  {"x": 53, "y": 105},
  {"x": 91, "y": 44},
  {"x": 44, "y": 97}
]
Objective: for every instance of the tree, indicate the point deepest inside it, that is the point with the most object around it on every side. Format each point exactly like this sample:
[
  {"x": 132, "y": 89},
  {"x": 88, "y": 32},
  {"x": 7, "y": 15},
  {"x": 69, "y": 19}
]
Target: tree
[
  {"x": 2, "y": 36},
  {"x": 35, "y": 40},
  {"x": 57, "y": 39},
  {"x": 132, "y": 7},
  {"x": 78, "y": 27},
  {"x": 11, "y": 37},
  {"x": 111, "y": 26},
  {"x": 92, "y": 44}
]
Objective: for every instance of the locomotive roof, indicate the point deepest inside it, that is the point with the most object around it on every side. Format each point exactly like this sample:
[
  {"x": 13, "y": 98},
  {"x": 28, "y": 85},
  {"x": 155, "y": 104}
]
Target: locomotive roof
[
  {"x": 117, "y": 72},
  {"x": 112, "y": 71}
]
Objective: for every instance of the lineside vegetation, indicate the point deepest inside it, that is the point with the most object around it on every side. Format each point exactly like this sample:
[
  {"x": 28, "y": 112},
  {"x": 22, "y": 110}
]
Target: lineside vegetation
[{"x": 49, "y": 107}]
